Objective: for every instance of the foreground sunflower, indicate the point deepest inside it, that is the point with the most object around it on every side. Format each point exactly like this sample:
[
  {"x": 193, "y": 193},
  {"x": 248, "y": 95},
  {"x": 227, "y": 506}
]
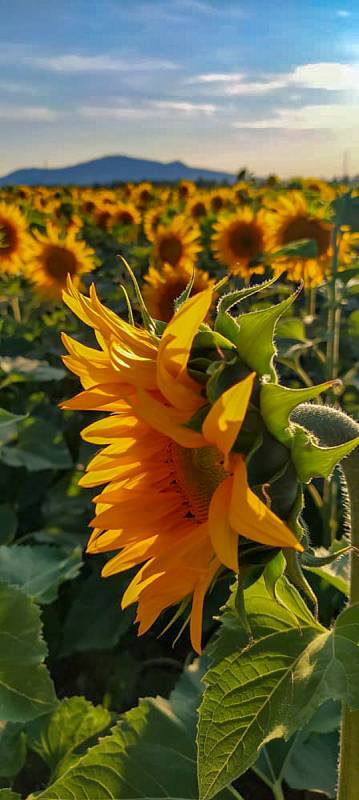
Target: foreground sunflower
[
  {"x": 175, "y": 500},
  {"x": 54, "y": 255},
  {"x": 238, "y": 240},
  {"x": 14, "y": 239},
  {"x": 176, "y": 243},
  {"x": 162, "y": 288}
]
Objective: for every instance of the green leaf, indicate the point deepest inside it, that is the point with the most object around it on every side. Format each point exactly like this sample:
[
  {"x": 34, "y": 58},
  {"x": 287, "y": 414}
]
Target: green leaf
[
  {"x": 277, "y": 402},
  {"x": 8, "y": 794},
  {"x": 58, "y": 735},
  {"x": 255, "y": 343},
  {"x": 353, "y": 323},
  {"x": 273, "y": 685},
  {"x": 150, "y": 753},
  {"x": 8, "y": 523},
  {"x": 30, "y": 369},
  {"x": 303, "y": 248},
  {"x": 291, "y": 328},
  {"x": 8, "y": 423},
  {"x": 12, "y": 749},
  {"x": 39, "y": 446},
  {"x": 26, "y": 689},
  {"x": 308, "y": 761},
  {"x": 38, "y": 569},
  {"x": 95, "y": 620}
]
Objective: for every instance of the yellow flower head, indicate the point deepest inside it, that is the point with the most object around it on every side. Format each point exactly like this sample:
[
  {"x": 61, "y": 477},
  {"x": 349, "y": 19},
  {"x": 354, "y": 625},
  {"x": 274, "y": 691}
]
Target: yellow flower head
[
  {"x": 197, "y": 207},
  {"x": 292, "y": 219},
  {"x": 176, "y": 243},
  {"x": 174, "y": 500},
  {"x": 54, "y": 256},
  {"x": 163, "y": 287},
  {"x": 238, "y": 240},
  {"x": 14, "y": 239}
]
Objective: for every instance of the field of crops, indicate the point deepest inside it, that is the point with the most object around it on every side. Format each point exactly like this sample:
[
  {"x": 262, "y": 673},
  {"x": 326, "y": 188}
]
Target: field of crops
[{"x": 144, "y": 470}]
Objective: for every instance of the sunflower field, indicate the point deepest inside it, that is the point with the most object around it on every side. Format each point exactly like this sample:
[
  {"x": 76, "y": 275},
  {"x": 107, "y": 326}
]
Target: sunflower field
[{"x": 179, "y": 474}]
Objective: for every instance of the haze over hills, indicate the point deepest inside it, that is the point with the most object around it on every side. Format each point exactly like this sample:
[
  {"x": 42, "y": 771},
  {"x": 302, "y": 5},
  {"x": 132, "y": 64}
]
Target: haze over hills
[{"x": 110, "y": 169}]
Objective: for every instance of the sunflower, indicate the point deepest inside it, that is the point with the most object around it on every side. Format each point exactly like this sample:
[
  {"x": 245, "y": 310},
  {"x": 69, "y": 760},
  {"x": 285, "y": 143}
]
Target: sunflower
[
  {"x": 14, "y": 239},
  {"x": 185, "y": 189},
  {"x": 197, "y": 207},
  {"x": 151, "y": 221},
  {"x": 163, "y": 287},
  {"x": 219, "y": 199},
  {"x": 294, "y": 219},
  {"x": 55, "y": 255},
  {"x": 238, "y": 240},
  {"x": 174, "y": 500},
  {"x": 143, "y": 194},
  {"x": 176, "y": 243}
]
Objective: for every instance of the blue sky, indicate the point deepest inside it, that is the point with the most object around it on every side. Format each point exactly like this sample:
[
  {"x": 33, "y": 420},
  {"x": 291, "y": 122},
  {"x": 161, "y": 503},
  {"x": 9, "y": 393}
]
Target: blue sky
[{"x": 272, "y": 84}]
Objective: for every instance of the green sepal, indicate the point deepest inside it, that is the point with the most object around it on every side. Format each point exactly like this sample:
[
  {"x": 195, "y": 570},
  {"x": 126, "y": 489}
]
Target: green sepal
[
  {"x": 310, "y": 559},
  {"x": 255, "y": 343},
  {"x": 185, "y": 294},
  {"x": 272, "y": 573},
  {"x": 208, "y": 339},
  {"x": 196, "y": 421},
  {"x": 313, "y": 461},
  {"x": 296, "y": 575},
  {"x": 232, "y": 298},
  {"x": 277, "y": 402},
  {"x": 128, "y": 304},
  {"x": 148, "y": 322}
]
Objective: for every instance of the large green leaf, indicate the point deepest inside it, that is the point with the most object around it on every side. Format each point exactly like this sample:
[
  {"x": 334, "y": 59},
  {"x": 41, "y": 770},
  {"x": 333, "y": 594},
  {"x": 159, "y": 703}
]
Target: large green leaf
[
  {"x": 12, "y": 749},
  {"x": 95, "y": 620},
  {"x": 39, "y": 446},
  {"x": 26, "y": 689},
  {"x": 55, "y": 737},
  {"x": 8, "y": 422},
  {"x": 8, "y": 794},
  {"x": 38, "y": 569},
  {"x": 269, "y": 689},
  {"x": 8, "y": 523},
  {"x": 149, "y": 754}
]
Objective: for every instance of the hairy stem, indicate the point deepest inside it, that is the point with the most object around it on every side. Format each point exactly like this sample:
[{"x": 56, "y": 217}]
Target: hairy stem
[{"x": 332, "y": 427}]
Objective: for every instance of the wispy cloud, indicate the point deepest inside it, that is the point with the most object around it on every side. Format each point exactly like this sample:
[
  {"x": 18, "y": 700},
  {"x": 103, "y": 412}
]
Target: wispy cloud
[
  {"x": 309, "y": 117},
  {"x": 150, "y": 109},
  {"x": 79, "y": 63},
  {"x": 185, "y": 107},
  {"x": 342, "y": 12},
  {"x": 27, "y": 114},
  {"x": 328, "y": 76}
]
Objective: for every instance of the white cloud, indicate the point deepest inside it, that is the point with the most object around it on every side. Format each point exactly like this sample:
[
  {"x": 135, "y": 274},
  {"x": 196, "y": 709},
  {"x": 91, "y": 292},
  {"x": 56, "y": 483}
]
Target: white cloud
[
  {"x": 185, "y": 107},
  {"x": 342, "y": 12},
  {"x": 217, "y": 77},
  {"x": 151, "y": 109},
  {"x": 27, "y": 114},
  {"x": 114, "y": 112},
  {"x": 77, "y": 63},
  {"x": 326, "y": 75},
  {"x": 310, "y": 117}
]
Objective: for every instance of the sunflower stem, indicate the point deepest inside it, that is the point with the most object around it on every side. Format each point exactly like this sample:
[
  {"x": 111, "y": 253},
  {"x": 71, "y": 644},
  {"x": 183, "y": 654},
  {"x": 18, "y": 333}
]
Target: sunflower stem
[{"x": 333, "y": 427}]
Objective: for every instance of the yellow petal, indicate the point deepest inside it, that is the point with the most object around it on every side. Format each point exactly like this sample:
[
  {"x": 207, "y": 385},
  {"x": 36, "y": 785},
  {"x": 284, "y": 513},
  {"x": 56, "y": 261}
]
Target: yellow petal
[
  {"x": 224, "y": 539},
  {"x": 197, "y": 604},
  {"x": 174, "y": 350},
  {"x": 224, "y": 420},
  {"x": 251, "y": 518},
  {"x": 168, "y": 421}
]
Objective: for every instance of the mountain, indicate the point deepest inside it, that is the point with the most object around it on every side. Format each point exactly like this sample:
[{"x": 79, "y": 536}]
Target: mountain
[{"x": 110, "y": 169}]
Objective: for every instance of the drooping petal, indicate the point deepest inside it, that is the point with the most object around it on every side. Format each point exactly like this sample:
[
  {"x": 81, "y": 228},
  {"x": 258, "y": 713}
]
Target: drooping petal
[
  {"x": 174, "y": 350},
  {"x": 251, "y": 518},
  {"x": 166, "y": 420},
  {"x": 224, "y": 538},
  {"x": 224, "y": 420},
  {"x": 199, "y": 594}
]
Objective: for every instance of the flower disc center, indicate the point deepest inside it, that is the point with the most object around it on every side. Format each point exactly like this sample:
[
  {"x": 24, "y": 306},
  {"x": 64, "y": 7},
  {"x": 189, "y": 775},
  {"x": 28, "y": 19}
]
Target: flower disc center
[{"x": 198, "y": 472}]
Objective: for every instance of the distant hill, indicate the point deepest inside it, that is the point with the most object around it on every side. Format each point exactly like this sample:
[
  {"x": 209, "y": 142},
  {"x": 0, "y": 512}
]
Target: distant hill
[{"x": 110, "y": 169}]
